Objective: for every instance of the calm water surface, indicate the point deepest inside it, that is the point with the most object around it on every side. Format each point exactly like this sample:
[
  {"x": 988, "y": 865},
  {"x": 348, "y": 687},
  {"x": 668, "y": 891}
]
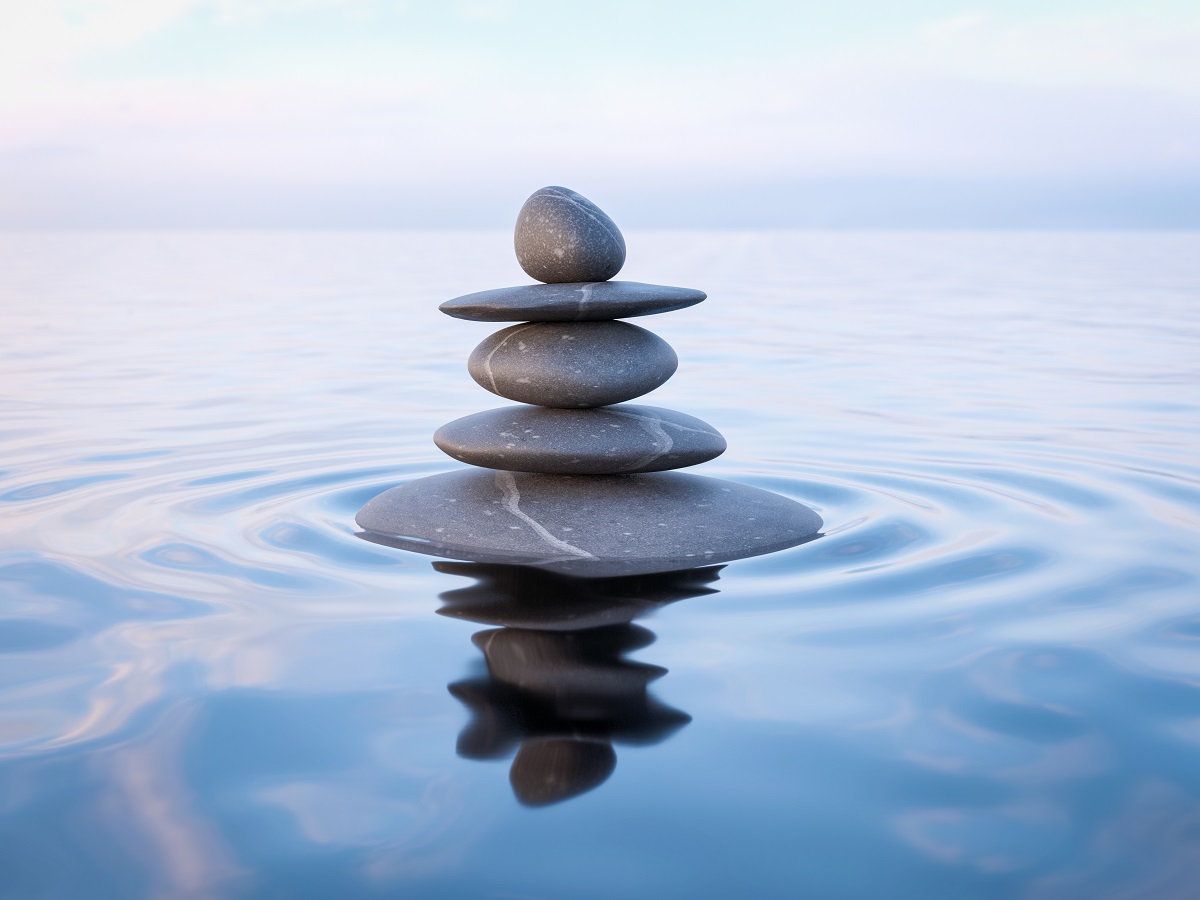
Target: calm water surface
[{"x": 982, "y": 681}]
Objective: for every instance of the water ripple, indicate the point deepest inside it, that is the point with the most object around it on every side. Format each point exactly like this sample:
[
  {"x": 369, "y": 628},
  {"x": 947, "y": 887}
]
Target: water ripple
[{"x": 981, "y": 680}]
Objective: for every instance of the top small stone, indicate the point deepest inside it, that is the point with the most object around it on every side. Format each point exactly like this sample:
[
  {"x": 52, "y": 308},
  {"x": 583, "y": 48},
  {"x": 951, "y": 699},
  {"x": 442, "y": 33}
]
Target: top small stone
[{"x": 562, "y": 236}]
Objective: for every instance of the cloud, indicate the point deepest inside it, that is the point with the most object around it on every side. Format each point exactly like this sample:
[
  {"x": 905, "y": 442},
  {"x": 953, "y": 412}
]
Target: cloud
[
  {"x": 973, "y": 96},
  {"x": 44, "y": 38}
]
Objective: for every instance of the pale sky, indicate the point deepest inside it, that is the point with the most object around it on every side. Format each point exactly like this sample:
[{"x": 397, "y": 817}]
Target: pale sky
[{"x": 380, "y": 113}]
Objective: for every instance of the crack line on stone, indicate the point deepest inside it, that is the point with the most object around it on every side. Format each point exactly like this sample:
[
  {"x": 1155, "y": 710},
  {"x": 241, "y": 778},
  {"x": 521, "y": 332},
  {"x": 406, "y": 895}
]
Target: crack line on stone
[
  {"x": 606, "y": 228},
  {"x": 586, "y": 291},
  {"x": 711, "y": 432},
  {"x": 653, "y": 426},
  {"x": 487, "y": 361},
  {"x": 512, "y": 497}
]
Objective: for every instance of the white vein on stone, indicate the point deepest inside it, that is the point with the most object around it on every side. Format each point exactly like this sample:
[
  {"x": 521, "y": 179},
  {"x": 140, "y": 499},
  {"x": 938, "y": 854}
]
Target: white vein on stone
[
  {"x": 710, "y": 432},
  {"x": 585, "y": 291},
  {"x": 511, "y": 501},
  {"x": 487, "y": 361},
  {"x": 654, "y": 427},
  {"x": 606, "y": 227}
]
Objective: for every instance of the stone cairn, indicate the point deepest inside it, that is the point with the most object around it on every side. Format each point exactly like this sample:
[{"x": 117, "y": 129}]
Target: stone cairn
[{"x": 570, "y": 487}]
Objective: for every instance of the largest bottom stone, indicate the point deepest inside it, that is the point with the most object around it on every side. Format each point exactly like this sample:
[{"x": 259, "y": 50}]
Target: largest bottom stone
[{"x": 591, "y": 525}]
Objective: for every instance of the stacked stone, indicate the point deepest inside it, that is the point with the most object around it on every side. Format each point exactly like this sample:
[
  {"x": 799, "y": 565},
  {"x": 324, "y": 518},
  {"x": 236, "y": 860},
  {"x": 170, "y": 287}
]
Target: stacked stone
[
  {"x": 572, "y": 360},
  {"x": 573, "y": 478}
]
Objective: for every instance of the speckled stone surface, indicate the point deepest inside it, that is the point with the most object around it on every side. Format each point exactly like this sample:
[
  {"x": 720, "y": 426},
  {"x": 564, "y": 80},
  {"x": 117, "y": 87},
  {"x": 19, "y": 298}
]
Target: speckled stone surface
[
  {"x": 572, "y": 365},
  {"x": 563, "y": 236},
  {"x": 608, "y": 440},
  {"x": 588, "y": 525},
  {"x": 572, "y": 302}
]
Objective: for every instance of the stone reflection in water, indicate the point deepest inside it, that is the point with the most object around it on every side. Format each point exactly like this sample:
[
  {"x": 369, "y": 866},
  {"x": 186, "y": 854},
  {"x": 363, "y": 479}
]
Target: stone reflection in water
[{"x": 559, "y": 689}]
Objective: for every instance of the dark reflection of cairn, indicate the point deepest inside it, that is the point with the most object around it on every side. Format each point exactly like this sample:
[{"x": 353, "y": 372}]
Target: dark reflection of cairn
[
  {"x": 579, "y": 484},
  {"x": 558, "y": 688}
]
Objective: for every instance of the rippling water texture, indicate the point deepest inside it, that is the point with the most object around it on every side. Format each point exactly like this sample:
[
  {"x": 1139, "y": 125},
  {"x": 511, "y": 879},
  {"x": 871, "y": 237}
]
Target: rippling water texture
[{"x": 982, "y": 681}]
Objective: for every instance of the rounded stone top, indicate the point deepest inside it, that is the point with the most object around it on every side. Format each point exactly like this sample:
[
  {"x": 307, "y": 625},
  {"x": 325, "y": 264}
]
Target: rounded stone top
[
  {"x": 562, "y": 236},
  {"x": 572, "y": 365}
]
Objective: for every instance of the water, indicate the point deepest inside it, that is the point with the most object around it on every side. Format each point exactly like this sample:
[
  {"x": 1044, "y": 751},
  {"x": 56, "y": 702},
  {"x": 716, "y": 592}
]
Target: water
[{"x": 982, "y": 681}]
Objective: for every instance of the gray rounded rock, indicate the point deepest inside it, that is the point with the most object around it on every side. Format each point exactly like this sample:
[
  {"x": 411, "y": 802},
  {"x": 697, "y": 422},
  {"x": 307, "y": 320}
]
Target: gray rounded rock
[
  {"x": 563, "y": 236},
  {"x": 587, "y": 525},
  {"x": 608, "y": 440},
  {"x": 573, "y": 365},
  {"x": 586, "y": 301}
]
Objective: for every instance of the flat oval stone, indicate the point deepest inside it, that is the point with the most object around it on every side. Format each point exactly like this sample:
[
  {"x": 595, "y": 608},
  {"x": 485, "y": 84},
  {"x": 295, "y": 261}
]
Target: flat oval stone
[
  {"x": 607, "y": 440},
  {"x": 573, "y": 365},
  {"x": 563, "y": 236},
  {"x": 585, "y": 301},
  {"x": 586, "y": 525}
]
